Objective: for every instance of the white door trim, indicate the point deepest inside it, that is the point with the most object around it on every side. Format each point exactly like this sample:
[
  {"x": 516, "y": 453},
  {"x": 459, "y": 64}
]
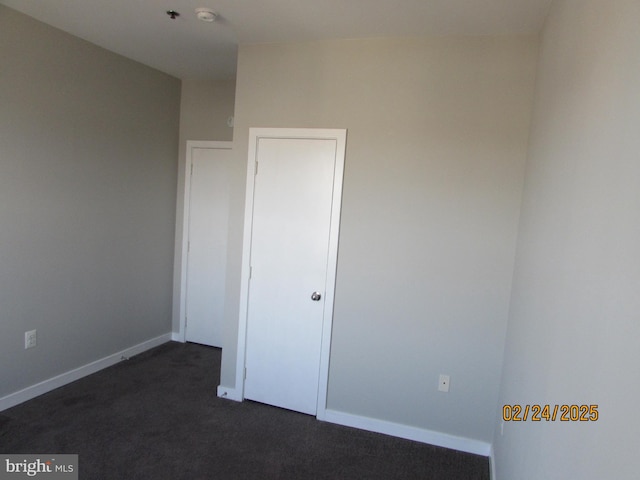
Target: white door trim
[
  {"x": 182, "y": 288},
  {"x": 340, "y": 136}
]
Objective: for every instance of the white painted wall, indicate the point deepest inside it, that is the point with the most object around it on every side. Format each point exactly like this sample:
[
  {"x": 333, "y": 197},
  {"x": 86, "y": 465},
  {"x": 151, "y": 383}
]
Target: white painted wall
[
  {"x": 437, "y": 138},
  {"x": 575, "y": 313},
  {"x": 88, "y": 154}
]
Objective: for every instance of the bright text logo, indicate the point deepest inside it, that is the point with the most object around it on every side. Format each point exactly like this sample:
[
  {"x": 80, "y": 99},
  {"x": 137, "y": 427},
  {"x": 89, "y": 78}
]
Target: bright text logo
[{"x": 51, "y": 467}]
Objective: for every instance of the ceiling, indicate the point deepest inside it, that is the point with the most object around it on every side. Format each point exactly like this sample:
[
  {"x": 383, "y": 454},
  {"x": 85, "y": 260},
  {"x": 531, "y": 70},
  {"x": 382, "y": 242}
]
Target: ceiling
[{"x": 189, "y": 48}]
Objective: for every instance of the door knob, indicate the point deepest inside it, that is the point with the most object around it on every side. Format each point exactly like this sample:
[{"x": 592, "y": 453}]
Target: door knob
[{"x": 315, "y": 296}]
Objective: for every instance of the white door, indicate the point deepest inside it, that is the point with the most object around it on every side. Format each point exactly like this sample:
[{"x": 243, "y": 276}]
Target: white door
[
  {"x": 208, "y": 214},
  {"x": 290, "y": 250}
]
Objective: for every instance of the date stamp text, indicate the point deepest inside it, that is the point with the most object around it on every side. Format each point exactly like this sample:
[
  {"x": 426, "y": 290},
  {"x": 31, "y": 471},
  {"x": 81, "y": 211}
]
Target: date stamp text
[{"x": 550, "y": 413}]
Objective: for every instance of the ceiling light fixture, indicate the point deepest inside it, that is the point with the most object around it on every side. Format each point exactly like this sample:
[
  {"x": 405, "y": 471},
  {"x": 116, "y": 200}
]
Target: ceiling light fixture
[
  {"x": 206, "y": 14},
  {"x": 173, "y": 14}
]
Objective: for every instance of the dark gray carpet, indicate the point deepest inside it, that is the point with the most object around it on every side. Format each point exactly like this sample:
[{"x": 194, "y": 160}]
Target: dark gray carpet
[{"x": 157, "y": 417}]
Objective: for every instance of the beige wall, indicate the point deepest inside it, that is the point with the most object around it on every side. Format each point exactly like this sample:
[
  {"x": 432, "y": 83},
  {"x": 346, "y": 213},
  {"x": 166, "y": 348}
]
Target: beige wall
[
  {"x": 205, "y": 107},
  {"x": 437, "y": 138},
  {"x": 575, "y": 314},
  {"x": 88, "y": 157}
]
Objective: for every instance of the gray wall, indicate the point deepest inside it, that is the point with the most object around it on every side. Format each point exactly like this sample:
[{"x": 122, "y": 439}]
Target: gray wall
[
  {"x": 575, "y": 316},
  {"x": 437, "y": 138},
  {"x": 205, "y": 106},
  {"x": 88, "y": 161}
]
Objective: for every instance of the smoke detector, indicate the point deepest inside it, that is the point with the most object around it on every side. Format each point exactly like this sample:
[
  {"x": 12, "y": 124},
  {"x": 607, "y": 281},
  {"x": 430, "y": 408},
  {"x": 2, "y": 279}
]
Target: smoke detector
[{"x": 206, "y": 14}]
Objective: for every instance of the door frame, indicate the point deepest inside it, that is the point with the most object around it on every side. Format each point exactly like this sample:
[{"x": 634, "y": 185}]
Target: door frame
[
  {"x": 255, "y": 134},
  {"x": 186, "y": 210}
]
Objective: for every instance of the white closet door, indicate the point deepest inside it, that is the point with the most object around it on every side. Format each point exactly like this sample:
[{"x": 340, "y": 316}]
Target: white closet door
[
  {"x": 290, "y": 241},
  {"x": 207, "y": 244}
]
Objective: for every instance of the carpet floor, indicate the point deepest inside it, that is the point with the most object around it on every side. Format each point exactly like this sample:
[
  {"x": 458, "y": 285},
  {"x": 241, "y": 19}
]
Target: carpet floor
[{"x": 156, "y": 417}]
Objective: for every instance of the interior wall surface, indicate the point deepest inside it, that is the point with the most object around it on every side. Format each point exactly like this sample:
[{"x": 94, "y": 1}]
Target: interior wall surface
[
  {"x": 574, "y": 320},
  {"x": 88, "y": 156},
  {"x": 437, "y": 140}
]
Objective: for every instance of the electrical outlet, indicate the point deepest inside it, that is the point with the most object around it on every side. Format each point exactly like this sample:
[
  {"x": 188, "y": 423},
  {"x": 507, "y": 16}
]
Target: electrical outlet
[
  {"x": 443, "y": 383},
  {"x": 30, "y": 339}
]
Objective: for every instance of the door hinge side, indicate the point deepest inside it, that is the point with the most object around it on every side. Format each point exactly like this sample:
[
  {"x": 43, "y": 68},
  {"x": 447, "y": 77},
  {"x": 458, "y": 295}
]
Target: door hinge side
[
  {"x": 191, "y": 170},
  {"x": 256, "y": 170},
  {"x": 245, "y": 373}
]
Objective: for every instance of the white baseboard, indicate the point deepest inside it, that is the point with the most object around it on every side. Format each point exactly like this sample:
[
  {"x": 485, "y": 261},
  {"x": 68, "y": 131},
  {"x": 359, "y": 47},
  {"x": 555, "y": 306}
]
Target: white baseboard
[
  {"x": 229, "y": 393},
  {"x": 410, "y": 433},
  {"x": 45, "y": 386}
]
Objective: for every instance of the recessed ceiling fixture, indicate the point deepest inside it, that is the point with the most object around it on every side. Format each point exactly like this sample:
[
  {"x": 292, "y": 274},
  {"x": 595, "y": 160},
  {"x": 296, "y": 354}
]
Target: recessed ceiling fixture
[
  {"x": 173, "y": 14},
  {"x": 206, "y": 14}
]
